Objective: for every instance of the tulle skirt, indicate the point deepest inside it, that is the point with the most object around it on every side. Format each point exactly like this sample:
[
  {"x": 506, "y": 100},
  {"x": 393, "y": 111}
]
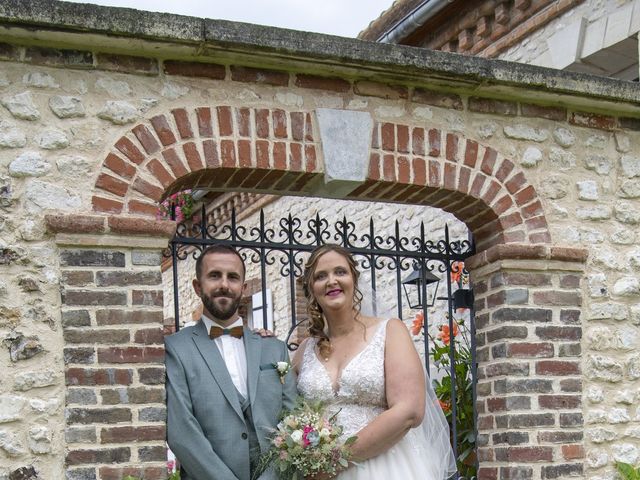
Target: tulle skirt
[{"x": 409, "y": 459}]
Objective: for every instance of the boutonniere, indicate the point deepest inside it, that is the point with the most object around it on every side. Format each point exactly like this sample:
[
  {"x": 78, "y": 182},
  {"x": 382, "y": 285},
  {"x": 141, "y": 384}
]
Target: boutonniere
[{"x": 282, "y": 368}]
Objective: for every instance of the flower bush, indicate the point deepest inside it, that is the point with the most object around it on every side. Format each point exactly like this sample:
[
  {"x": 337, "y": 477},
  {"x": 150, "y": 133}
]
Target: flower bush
[
  {"x": 180, "y": 203},
  {"x": 459, "y": 335}
]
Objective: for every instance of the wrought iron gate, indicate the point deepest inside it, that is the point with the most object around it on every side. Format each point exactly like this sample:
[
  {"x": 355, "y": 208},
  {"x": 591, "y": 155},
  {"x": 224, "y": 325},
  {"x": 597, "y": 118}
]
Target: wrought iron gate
[{"x": 422, "y": 261}]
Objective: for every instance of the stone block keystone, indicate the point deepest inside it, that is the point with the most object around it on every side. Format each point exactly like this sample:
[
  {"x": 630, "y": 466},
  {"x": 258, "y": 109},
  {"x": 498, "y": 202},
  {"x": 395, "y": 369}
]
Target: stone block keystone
[{"x": 345, "y": 137}]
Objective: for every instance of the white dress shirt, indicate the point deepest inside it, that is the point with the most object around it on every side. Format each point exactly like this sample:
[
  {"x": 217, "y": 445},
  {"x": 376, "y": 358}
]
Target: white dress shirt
[{"x": 232, "y": 351}]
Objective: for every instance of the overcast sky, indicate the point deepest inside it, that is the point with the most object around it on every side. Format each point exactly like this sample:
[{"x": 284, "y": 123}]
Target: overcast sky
[{"x": 337, "y": 17}]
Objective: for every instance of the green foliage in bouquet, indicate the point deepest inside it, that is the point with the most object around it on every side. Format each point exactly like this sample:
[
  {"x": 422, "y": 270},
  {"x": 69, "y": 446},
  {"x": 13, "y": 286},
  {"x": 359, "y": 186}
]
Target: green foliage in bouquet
[{"x": 627, "y": 471}]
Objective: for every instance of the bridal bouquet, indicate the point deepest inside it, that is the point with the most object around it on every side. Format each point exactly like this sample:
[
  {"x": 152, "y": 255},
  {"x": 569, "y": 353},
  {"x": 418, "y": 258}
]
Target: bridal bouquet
[{"x": 306, "y": 442}]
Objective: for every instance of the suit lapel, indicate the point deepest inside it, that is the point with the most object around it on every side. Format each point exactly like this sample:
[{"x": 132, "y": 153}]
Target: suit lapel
[
  {"x": 253, "y": 350},
  {"x": 215, "y": 362}
]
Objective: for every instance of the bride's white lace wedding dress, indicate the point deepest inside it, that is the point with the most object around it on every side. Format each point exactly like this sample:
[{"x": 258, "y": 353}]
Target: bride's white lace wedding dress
[{"x": 358, "y": 398}]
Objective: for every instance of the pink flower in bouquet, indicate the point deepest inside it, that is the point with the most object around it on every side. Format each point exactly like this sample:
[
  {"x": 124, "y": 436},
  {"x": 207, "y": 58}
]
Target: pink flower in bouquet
[
  {"x": 278, "y": 441},
  {"x": 284, "y": 455},
  {"x": 171, "y": 465}
]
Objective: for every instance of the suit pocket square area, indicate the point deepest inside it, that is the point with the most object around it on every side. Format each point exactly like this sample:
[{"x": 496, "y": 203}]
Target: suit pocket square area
[{"x": 267, "y": 366}]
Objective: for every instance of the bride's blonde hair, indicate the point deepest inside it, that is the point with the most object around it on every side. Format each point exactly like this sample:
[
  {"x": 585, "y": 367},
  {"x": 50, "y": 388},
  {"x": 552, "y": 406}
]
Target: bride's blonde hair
[{"x": 317, "y": 321}]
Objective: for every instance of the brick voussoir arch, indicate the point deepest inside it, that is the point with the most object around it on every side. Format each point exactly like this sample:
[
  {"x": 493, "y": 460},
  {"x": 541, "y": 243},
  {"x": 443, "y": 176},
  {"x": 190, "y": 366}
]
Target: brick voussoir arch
[
  {"x": 277, "y": 150},
  {"x": 429, "y": 166},
  {"x": 209, "y": 146}
]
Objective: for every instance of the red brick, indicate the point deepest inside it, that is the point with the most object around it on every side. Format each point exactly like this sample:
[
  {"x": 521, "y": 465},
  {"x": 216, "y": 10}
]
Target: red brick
[
  {"x": 210, "y": 151},
  {"x": 550, "y": 113},
  {"x": 262, "y": 123},
  {"x": 126, "y": 63},
  {"x": 417, "y": 141},
  {"x": 160, "y": 173},
  {"x": 194, "y": 69},
  {"x": 531, "y": 210},
  {"x": 119, "y": 166},
  {"x": 295, "y": 157},
  {"x": 132, "y": 152},
  {"x": 389, "y": 168},
  {"x": 112, "y": 185},
  {"x": 98, "y": 376},
  {"x": 403, "y": 138},
  {"x": 530, "y": 350},
  {"x": 488, "y": 105},
  {"x": 142, "y": 208},
  {"x": 149, "y": 336},
  {"x": 452, "y": 147},
  {"x": 509, "y": 221},
  {"x": 118, "y": 473},
  {"x": 173, "y": 161},
  {"x": 496, "y": 404},
  {"x": 502, "y": 205},
  {"x": 463, "y": 180},
  {"x": 163, "y": 130},
  {"x": 491, "y": 192},
  {"x": 308, "y": 128},
  {"x": 478, "y": 183},
  {"x": 244, "y": 153},
  {"x": 225, "y": 122},
  {"x": 147, "y": 189},
  {"x": 434, "y": 173},
  {"x": 259, "y": 75},
  {"x": 131, "y": 355},
  {"x": 506, "y": 167},
  {"x": 128, "y": 434},
  {"x": 516, "y": 182},
  {"x": 525, "y": 454},
  {"x": 297, "y": 126},
  {"x": 450, "y": 173},
  {"x": 592, "y": 120},
  {"x": 556, "y": 367},
  {"x": 388, "y": 134},
  {"x": 437, "y": 99},
  {"x": 489, "y": 161},
  {"x": 262, "y": 154},
  {"x": 243, "y": 120},
  {"x": 555, "y": 297},
  {"x": 322, "y": 83},
  {"x": 310, "y": 158},
  {"x": 380, "y": 90},
  {"x": 471, "y": 154},
  {"x": 146, "y": 138},
  {"x": 572, "y": 452},
  {"x": 374, "y": 167},
  {"x": 105, "y": 205},
  {"x": 228, "y": 153},
  {"x": 403, "y": 170},
  {"x": 559, "y": 402},
  {"x": 147, "y": 297},
  {"x": 536, "y": 223},
  {"x": 569, "y": 254},
  {"x": 540, "y": 237},
  {"x": 182, "y": 122},
  {"x": 279, "y": 155},
  {"x": 205, "y": 128},
  {"x": 193, "y": 156},
  {"x": 487, "y": 473},
  {"x": 419, "y": 171},
  {"x": 279, "y": 119}
]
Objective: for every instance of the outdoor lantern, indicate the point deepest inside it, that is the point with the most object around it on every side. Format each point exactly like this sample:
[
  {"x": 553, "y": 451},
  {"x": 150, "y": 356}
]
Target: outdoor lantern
[{"x": 413, "y": 288}]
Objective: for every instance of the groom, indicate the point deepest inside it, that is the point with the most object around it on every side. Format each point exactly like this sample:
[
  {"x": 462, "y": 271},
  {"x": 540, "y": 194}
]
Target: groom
[{"x": 224, "y": 392}]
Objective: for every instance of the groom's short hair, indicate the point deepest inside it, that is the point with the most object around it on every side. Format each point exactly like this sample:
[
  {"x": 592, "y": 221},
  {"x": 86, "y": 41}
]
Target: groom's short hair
[{"x": 228, "y": 249}]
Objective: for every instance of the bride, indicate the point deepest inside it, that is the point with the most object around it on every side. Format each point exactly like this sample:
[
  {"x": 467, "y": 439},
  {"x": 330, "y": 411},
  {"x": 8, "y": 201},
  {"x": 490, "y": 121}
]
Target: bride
[{"x": 369, "y": 373}]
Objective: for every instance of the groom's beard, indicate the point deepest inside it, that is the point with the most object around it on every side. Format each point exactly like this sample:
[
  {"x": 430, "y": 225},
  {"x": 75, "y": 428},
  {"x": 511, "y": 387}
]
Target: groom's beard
[{"x": 221, "y": 311}]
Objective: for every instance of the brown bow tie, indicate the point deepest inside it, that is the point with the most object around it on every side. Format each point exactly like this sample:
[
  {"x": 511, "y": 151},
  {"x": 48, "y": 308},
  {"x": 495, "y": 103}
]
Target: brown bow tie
[{"x": 235, "y": 332}]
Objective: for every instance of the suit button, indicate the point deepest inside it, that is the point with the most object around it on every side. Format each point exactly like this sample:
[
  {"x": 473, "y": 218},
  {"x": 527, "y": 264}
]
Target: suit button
[{"x": 244, "y": 436}]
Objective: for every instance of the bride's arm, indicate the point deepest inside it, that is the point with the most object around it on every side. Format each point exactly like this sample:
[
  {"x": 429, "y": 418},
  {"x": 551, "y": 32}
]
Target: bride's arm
[{"x": 405, "y": 391}]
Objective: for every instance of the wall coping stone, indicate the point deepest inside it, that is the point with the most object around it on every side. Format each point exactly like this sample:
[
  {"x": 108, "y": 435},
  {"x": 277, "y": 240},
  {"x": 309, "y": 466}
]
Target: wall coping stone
[{"x": 73, "y": 24}]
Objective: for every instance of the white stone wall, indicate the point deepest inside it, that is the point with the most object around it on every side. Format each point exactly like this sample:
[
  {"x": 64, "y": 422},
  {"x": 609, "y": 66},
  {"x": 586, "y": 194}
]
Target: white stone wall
[
  {"x": 56, "y": 127},
  {"x": 566, "y": 39}
]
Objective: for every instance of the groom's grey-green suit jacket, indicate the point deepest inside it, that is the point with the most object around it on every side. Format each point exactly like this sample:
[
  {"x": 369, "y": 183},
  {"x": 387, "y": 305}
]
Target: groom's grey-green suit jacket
[{"x": 205, "y": 426}]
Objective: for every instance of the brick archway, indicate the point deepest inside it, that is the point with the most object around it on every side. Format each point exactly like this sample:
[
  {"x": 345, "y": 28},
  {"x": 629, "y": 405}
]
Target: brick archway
[{"x": 280, "y": 151}]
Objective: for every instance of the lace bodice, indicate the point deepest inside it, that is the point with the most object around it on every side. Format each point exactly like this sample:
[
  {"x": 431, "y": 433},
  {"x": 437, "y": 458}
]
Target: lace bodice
[{"x": 360, "y": 396}]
